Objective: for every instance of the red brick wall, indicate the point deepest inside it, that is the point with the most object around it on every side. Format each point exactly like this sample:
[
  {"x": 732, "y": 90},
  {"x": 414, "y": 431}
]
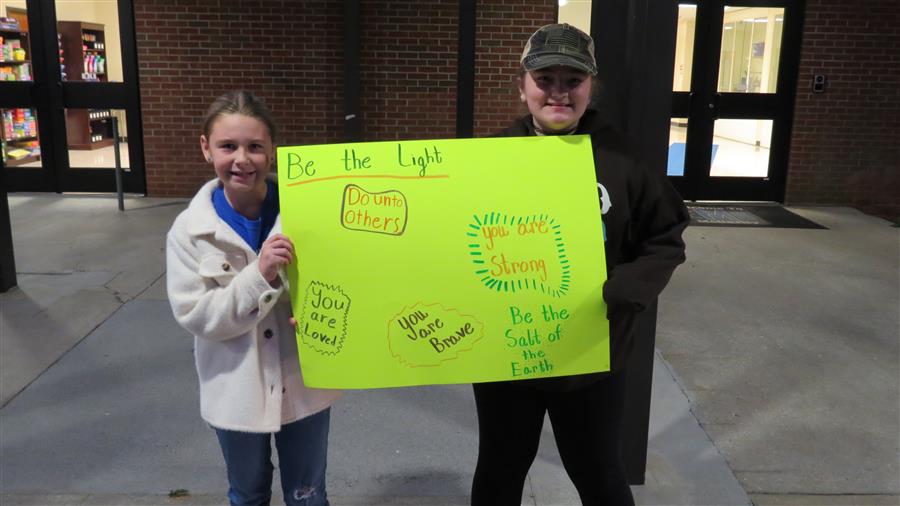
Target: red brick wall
[
  {"x": 408, "y": 69},
  {"x": 291, "y": 55},
  {"x": 845, "y": 146},
  {"x": 844, "y": 141},
  {"x": 190, "y": 51},
  {"x": 501, "y": 30}
]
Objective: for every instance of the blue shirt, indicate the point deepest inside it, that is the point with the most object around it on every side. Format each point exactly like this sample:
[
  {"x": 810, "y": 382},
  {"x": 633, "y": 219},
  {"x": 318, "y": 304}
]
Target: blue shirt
[{"x": 254, "y": 232}]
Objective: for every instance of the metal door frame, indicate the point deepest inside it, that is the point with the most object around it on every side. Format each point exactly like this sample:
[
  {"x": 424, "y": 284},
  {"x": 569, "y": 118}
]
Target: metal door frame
[
  {"x": 50, "y": 96},
  {"x": 704, "y": 104}
]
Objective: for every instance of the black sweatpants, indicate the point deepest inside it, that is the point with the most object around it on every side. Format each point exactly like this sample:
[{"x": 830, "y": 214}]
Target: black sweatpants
[{"x": 586, "y": 424}]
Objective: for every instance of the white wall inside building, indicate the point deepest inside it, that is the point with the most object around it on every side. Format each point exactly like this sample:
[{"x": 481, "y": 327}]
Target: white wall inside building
[{"x": 577, "y": 13}]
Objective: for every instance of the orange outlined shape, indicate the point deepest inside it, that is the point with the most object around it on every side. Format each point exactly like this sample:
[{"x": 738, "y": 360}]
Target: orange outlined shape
[
  {"x": 421, "y": 352},
  {"x": 370, "y": 176},
  {"x": 377, "y": 212}
]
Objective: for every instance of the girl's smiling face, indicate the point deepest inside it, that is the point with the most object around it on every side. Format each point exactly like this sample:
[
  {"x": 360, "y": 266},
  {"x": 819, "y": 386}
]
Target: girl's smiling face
[
  {"x": 556, "y": 96},
  {"x": 241, "y": 151}
]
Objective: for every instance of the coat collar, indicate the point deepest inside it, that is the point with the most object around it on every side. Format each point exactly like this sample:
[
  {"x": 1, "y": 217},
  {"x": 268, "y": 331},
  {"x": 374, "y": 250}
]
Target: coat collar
[{"x": 203, "y": 219}]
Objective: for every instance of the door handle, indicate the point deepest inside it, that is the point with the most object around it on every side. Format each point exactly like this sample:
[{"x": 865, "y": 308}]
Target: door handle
[{"x": 713, "y": 104}]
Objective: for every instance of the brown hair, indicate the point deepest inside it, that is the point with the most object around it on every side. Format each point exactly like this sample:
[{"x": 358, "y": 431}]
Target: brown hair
[{"x": 239, "y": 102}]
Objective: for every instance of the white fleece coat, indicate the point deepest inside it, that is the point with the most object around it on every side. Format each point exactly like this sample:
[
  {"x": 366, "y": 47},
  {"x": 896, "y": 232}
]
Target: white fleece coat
[{"x": 244, "y": 345}]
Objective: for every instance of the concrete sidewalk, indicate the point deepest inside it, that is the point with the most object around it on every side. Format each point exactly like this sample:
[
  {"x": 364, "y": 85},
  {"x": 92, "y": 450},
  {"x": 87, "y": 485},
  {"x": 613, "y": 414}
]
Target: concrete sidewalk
[
  {"x": 787, "y": 343},
  {"x": 100, "y": 403}
]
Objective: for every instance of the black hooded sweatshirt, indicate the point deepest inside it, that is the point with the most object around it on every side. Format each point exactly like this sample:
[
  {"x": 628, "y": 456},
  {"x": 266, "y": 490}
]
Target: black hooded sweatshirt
[{"x": 643, "y": 219}]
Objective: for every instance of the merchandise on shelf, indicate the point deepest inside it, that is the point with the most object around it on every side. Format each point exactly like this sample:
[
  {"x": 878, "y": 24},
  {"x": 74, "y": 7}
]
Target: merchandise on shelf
[
  {"x": 16, "y": 153},
  {"x": 11, "y": 49},
  {"x": 9, "y": 24},
  {"x": 19, "y": 151},
  {"x": 19, "y": 135},
  {"x": 84, "y": 55},
  {"x": 14, "y": 64},
  {"x": 90, "y": 42},
  {"x": 84, "y": 58},
  {"x": 62, "y": 57},
  {"x": 16, "y": 72},
  {"x": 94, "y": 64},
  {"x": 18, "y": 123},
  {"x": 8, "y": 123}
]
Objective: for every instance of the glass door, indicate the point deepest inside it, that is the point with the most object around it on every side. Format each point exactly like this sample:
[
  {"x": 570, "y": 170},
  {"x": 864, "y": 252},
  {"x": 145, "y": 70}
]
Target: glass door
[
  {"x": 84, "y": 74},
  {"x": 733, "y": 93}
]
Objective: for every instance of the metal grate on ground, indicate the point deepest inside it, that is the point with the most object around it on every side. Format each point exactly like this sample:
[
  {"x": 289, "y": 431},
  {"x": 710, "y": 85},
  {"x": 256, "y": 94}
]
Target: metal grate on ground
[{"x": 747, "y": 216}]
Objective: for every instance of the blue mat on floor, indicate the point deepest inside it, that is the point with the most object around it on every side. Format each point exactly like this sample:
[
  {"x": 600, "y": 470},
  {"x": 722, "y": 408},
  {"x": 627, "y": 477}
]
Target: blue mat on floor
[{"x": 676, "y": 158}]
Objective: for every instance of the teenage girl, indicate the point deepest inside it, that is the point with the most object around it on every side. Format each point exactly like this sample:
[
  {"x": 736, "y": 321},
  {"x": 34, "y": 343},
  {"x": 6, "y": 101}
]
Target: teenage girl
[
  {"x": 224, "y": 254},
  {"x": 643, "y": 220}
]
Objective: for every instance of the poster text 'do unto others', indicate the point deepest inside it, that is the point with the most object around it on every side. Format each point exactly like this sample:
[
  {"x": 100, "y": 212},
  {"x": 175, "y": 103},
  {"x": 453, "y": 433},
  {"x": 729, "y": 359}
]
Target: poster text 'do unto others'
[{"x": 445, "y": 261}]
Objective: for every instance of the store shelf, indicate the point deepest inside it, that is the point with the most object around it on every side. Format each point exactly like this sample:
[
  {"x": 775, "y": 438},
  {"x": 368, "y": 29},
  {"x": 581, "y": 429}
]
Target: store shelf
[
  {"x": 92, "y": 145},
  {"x": 16, "y": 67},
  {"x": 86, "y": 64},
  {"x": 21, "y": 161}
]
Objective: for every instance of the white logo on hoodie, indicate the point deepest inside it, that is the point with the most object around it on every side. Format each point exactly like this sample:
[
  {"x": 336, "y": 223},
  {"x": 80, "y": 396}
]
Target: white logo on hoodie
[{"x": 604, "y": 199}]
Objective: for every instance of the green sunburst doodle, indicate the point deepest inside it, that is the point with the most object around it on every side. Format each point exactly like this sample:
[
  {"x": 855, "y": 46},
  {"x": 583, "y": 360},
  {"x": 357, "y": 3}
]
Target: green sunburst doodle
[{"x": 525, "y": 282}]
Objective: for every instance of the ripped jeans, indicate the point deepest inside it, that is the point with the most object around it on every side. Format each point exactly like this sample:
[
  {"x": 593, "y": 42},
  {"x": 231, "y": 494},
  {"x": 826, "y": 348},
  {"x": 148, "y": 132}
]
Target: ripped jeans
[{"x": 302, "y": 453}]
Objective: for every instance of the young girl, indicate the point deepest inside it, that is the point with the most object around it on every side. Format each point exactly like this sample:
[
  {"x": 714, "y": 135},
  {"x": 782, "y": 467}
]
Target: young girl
[
  {"x": 643, "y": 219},
  {"x": 223, "y": 256}
]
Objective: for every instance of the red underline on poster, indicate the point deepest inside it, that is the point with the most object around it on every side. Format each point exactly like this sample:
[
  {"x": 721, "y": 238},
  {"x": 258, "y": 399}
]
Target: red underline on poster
[{"x": 374, "y": 176}]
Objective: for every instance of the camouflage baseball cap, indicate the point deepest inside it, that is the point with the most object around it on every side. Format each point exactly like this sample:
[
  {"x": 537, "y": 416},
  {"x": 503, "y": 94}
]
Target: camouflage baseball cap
[{"x": 560, "y": 44}]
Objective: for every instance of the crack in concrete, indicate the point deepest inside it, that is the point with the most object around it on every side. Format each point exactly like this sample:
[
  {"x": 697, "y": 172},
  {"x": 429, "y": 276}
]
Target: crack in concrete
[{"x": 67, "y": 273}]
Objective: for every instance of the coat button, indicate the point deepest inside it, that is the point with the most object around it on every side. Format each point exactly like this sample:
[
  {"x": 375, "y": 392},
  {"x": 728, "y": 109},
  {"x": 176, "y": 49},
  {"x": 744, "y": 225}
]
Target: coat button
[
  {"x": 268, "y": 334},
  {"x": 226, "y": 267},
  {"x": 267, "y": 298}
]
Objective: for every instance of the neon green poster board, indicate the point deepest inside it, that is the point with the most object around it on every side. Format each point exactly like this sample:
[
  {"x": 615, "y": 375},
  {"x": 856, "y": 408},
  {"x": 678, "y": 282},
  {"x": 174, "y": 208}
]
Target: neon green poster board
[{"x": 445, "y": 261}]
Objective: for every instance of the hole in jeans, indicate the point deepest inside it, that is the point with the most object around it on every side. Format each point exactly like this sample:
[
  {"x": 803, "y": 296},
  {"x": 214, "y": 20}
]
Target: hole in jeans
[{"x": 305, "y": 493}]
